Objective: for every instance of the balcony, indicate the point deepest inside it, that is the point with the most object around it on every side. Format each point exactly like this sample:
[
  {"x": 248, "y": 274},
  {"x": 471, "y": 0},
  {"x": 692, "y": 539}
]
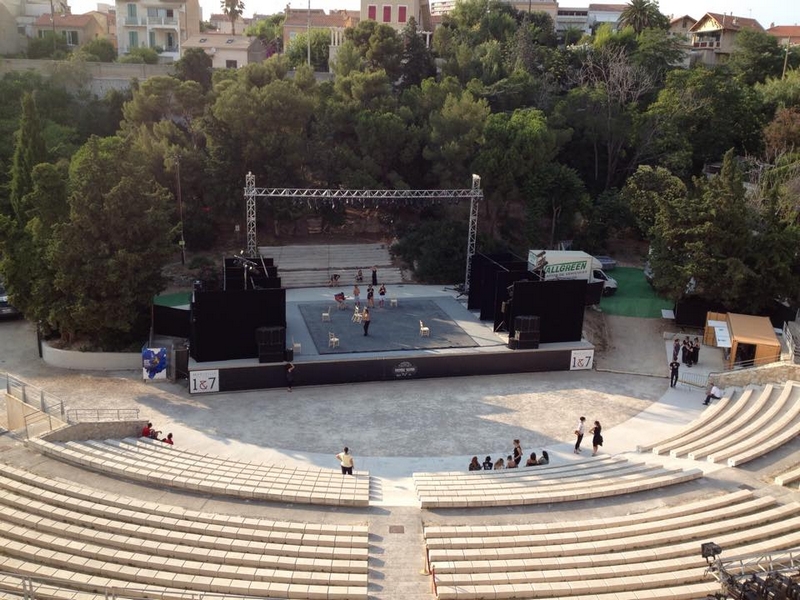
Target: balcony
[
  {"x": 135, "y": 21},
  {"x": 162, "y": 22},
  {"x": 710, "y": 44}
]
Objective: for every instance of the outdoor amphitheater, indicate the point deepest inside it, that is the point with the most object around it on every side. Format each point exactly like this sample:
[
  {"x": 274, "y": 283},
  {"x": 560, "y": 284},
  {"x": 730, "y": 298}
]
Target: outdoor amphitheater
[{"x": 250, "y": 501}]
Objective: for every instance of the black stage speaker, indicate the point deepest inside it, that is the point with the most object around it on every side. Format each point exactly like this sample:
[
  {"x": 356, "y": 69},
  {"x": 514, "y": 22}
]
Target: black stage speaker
[
  {"x": 526, "y": 323},
  {"x": 270, "y": 355},
  {"x": 271, "y": 336}
]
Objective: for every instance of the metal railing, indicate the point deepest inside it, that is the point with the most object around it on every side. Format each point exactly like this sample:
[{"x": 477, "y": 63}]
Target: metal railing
[
  {"x": 699, "y": 380},
  {"x": 96, "y": 415},
  {"x": 33, "y": 396}
]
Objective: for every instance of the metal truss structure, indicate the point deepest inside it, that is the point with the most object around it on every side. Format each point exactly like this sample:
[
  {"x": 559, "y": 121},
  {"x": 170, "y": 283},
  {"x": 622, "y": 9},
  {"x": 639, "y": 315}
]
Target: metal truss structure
[
  {"x": 331, "y": 196},
  {"x": 773, "y": 576}
]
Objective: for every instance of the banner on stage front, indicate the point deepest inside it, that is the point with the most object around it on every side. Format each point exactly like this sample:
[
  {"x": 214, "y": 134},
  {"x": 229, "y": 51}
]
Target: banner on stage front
[
  {"x": 581, "y": 360},
  {"x": 203, "y": 382},
  {"x": 154, "y": 363}
]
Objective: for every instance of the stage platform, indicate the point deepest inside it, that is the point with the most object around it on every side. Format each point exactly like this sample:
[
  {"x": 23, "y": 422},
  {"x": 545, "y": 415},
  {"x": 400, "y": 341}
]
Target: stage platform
[{"x": 459, "y": 344}]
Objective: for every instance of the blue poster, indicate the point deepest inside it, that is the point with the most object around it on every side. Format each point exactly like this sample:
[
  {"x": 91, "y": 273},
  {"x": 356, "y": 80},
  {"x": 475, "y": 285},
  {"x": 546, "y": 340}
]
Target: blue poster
[{"x": 154, "y": 363}]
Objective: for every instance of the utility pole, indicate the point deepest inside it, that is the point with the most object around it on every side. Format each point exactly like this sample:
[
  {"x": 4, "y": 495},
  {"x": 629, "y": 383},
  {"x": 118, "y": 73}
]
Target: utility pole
[
  {"x": 786, "y": 59},
  {"x": 181, "y": 243},
  {"x": 308, "y": 32}
]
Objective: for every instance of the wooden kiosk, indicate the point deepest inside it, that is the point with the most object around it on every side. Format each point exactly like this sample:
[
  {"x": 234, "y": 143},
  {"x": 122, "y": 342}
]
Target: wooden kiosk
[{"x": 747, "y": 339}]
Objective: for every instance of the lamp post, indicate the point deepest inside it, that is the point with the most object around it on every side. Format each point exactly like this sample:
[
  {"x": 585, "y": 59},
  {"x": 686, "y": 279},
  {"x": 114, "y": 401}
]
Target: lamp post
[
  {"x": 308, "y": 32},
  {"x": 182, "y": 242}
]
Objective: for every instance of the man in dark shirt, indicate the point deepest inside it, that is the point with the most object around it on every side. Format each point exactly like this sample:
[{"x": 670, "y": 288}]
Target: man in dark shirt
[{"x": 673, "y": 372}]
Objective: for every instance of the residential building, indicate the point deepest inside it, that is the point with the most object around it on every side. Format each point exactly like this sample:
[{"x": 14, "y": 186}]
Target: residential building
[
  {"x": 572, "y": 18},
  {"x": 298, "y": 21},
  {"x": 681, "y": 26},
  {"x": 788, "y": 35},
  {"x": 228, "y": 51},
  {"x": 605, "y": 13},
  {"x": 222, "y": 24},
  {"x": 11, "y": 41},
  {"x": 159, "y": 24},
  {"x": 75, "y": 29},
  {"x": 396, "y": 13},
  {"x": 548, "y": 6},
  {"x": 439, "y": 8},
  {"x": 713, "y": 37}
]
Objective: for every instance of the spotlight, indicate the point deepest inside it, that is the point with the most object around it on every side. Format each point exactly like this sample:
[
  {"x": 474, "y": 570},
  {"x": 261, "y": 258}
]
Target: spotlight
[{"x": 710, "y": 551}]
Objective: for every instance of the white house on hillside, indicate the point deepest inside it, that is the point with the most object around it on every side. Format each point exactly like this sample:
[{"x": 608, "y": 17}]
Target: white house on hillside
[{"x": 163, "y": 24}]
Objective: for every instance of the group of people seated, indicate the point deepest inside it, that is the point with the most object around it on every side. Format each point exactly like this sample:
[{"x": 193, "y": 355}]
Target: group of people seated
[
  {"x": 149, "y": 432},
  {"x": 512, "y": 461}
]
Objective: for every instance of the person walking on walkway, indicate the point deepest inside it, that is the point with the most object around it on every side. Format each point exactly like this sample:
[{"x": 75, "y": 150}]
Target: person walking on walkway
[
  {"x": 346, "y": 460},
  {"x": 365, "y": 318},
  {"x": 676, "y": 348},
  {"x": 674, "y": 366},
  {"x": 289, "y": 376},
  {"x": 597, "y": 438},
  {"x": 579, "y": 429}
]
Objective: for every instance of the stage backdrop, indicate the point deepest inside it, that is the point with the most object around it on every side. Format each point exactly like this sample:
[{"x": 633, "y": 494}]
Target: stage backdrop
[
  {"x": 224, "y": 323},
  {"x": 558, "y": 304}
]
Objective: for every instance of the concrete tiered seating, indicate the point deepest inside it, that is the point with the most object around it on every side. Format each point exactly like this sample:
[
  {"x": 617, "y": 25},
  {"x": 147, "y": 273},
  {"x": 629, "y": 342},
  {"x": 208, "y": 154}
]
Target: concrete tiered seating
[
  {"x": 157, "y": 463},
  {"x": 647, "y": 555},
  {"x": 739, "y": 429},
  {"x": 592, "y": 478},
  {"x": 790, "y": 477},
  {"x": 87, "y": 540}
]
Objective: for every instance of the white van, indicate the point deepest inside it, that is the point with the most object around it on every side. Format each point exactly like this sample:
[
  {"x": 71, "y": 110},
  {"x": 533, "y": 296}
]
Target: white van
[{"x": 572, "y": 264}]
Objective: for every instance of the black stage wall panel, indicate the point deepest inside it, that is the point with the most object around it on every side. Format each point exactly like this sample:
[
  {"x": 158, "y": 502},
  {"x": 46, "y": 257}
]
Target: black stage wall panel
[
  {"x": 224, "y": 322},
  {"x": 558, "y": 304},
  {"x": 175, "y": 322},
  {"x": 594, "y": 291},
  {"x": 691, "y": 312},
  {"x": 476, "y": 281},
  {"x": 394, "y": 369},
  {"x": 502, "y": 281}
]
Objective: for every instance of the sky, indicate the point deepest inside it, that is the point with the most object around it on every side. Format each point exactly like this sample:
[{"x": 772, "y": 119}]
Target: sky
[{"x": 780, "y": 12}]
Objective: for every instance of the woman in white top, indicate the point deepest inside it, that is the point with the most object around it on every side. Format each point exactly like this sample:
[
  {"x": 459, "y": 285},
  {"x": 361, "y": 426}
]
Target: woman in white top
[{"x": 347, "y": 461}]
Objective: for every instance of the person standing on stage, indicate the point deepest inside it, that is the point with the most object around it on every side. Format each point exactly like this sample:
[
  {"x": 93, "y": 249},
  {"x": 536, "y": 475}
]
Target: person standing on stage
[
  {"x": 374, "y": 275},
  {"x": 370, "y": 296},
  {"x": 357, "y": 296},
  {"x": 382, "y": 294},
  {"x": 365, "y": 318}
]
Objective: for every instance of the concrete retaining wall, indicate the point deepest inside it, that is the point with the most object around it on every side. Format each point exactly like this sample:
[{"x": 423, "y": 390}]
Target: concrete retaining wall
[
  {"x": 779, "y": 372},
  {"x": 91, "y": 361},
  {"x": 104, "y": 430}
]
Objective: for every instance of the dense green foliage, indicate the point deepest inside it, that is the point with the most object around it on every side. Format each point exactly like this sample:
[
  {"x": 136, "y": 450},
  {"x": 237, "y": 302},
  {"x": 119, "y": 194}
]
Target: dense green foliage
[{"x": 605, "y": 139}]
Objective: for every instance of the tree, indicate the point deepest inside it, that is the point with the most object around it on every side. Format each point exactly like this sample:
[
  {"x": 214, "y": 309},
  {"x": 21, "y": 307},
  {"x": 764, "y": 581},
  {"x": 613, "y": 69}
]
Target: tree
[
  {"x": 756, "y": 56},
  {"x": 417, "y": 62},
  {"x": 195, "y": 65},
  {"x": 29, "y": 151},
  {"x": 782, "y": 134},
  {"x": 645, "y": 189},
  {"x": 435, "y": 250},
  {"x": 643, "y": 14},
  {"x": 99, "y": 50},
  {"x": 270, "y": 32},
  {"x": 297, "y": 52},
  {"x": 48, "y": 46},
  {"x": 138, "y": 56},
  {"x": 233, "y": 9},
  {"x": 108, "y": 257}
]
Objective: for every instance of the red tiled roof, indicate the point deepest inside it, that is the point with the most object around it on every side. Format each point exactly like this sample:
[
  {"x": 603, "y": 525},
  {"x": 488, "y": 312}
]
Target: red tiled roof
[
  {"x": 317, "y": 20},
  {"x": 731, "y": 22},
  {"x": 64, "y": 20},
  {"x": 785, "y": 31},
  {"x": 608, "y": 7},
  {"x": 676, "y": 19}
]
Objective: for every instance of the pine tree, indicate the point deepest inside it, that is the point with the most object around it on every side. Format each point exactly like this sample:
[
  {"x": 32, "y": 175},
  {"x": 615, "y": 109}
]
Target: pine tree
[
  {"x": 417, "y": 62},
  {"x": 29, "y": 151}
]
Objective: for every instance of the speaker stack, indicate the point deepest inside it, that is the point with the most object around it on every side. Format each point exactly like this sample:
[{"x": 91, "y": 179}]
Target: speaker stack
[
  {"x": 526, "y": 333},
  {"x": 271, "y": 344}
]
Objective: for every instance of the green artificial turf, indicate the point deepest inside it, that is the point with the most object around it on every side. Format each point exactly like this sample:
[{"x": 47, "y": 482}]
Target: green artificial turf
[
  {"x": 177, "y": 299},
  {"x": 634, "y": 297}
]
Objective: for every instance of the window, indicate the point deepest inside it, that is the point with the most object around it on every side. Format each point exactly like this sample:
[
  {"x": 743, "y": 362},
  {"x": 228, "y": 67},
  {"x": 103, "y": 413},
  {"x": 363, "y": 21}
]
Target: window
[
  {"x": 292, "y": 35},
  {"x": 387, "y": 14},
  {"x": 170, "y": 40},
  {"x": 71, "y": 37},
  {"x": 230, "y": 64},
  {"x": 133, "y": 39},
  {"x": 132, "y": 11},
  {"x": 372, "y": 12},
  {"x": 152, "y": 39},
  {"x": 401, "y": 14}
]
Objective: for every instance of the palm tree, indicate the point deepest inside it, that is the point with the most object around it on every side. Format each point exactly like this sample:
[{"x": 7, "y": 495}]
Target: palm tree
[
  {"x": 232, "y": 9},
  {"x": 643, "y": 14}
]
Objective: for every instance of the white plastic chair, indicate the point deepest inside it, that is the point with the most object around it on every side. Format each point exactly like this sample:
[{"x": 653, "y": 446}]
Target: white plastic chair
[
  {"x": 326, "y": 315},
  {"x": 296, "y": 347},
  {"x": 357, "y": 316},
  {"x": 333, "y": 341},
  {"x": 392, "y": 302},
  {"x": 424, "y": 331}
]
